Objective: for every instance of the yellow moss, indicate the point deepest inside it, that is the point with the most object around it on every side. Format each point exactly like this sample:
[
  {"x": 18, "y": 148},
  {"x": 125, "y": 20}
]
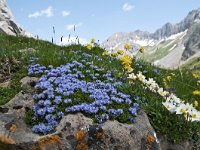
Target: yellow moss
[
  {"x": 49, "y": 140},
  {"x": 36, "y": 148},
  {"x": 80, "y": 135},
  {"x": 82, "y": 146},
  {"x": 13, "y": 128},
  {"x": 6, "y": 140},
  {"x": 100, "y": 134},
  {"x": 150, "y": 139}
]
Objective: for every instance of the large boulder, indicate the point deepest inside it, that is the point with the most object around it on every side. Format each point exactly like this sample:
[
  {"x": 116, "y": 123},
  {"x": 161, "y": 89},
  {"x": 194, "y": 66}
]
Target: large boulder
[{"x": 76, "y": 131}]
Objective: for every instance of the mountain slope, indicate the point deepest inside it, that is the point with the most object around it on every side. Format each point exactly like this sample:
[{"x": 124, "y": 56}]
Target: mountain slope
[
  {"x": 169, "y": 46},
  {"x": 8, "y": 24}
]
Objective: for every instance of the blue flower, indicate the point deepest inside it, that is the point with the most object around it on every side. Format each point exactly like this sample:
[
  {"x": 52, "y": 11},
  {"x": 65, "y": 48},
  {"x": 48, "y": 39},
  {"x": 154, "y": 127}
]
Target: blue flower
[
  {"x": 128, "y": 101},
  {"x": 57, "y": 86},
  {"x": 155, "y": 71},
  {"x": 41, "y": 112},
  {"x": 133, "y": 111},
  {"x": 131, "y": 119},
  {"x": 67, "y": 101}
]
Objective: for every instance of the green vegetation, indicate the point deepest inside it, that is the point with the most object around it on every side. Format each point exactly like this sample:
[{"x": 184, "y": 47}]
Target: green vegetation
[
  {"x": 181, "y": 82},
  {"x": 159, "y": 53},
  {"x": 192, "y": 64}
]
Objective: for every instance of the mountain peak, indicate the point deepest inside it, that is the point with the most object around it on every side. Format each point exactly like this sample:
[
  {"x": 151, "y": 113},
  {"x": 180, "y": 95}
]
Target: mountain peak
[
  {"x": 180, "y": 41},
  {"x": 8, "y": 24}
]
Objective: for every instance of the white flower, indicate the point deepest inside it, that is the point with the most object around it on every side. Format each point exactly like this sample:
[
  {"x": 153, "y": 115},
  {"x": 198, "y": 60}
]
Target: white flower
[
  {"x": 177, "y": 100},
  {"x": 169, "y": 105},
  {"x": 132, "y": 76},
  {"x": 141, "y": 77},
  {"x": 150, "y": 81},
  {"x": 181, "y": 109},
  {"x": 165, "y": 93},
  {"x": 189, "y": 108},
  {"x": 161, "y": 92},
  {"x": 195, "y": 115}
]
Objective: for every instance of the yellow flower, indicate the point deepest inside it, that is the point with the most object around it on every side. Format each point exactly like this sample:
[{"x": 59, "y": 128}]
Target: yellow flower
[
  {"x": 196, "y": 103},
  {"x": 196, "y": 75},
  {"x": 114, "y": 54},
  {"x": 119, "y": 74},
  {"x": 196, "y": 92},
  {"x": 105, "y": 53},
  {"x": 128, "y": 67},
  {"x": 125, "y": 59},
  {"x": 89, "y": 46},
  {"x": 120, "y": 52},
  {"x": 127, "y": 46},
  {"x": 165, "y": 84},
  {"x": 92, "y": 40},
  {"x": 169, "y": 78},
  {"x": 141, "y": 50}
]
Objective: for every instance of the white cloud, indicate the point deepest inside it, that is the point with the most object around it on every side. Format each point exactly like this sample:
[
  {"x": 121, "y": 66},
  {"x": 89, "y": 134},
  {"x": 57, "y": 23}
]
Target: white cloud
[
  {"x": 65, "y": 13},
  {"x": 72, "y": 40},
  {"x": 71, "y": 26},
  {"x": 46, "y": 12},
  {"x": 127, "y": 7}
]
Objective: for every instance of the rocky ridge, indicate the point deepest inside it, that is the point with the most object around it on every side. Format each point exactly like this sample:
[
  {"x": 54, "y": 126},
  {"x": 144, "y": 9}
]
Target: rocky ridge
[
  {"x": 8, "y": 24},
  {"x": 181, "y": 38}
]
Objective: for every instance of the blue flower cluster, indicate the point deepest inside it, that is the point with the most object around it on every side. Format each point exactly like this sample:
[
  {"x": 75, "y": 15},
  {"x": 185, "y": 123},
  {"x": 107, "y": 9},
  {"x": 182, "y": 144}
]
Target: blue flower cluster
[
  {"x": 58, "y": 87},
  {"x": 36, "y": 69}
]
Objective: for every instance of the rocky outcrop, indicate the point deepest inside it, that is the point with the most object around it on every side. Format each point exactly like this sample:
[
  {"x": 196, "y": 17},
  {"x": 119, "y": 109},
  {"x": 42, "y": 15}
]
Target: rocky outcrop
[
  {"x": 8, "y": 24},
  {"x": 76, "y": 131},
  {"x": 192, "y": 45},
  {"x": 15, "y": 134}
]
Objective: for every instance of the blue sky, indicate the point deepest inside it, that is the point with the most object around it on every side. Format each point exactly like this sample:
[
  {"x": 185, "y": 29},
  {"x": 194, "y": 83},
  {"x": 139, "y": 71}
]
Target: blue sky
[{"x": 97, "y": 18}]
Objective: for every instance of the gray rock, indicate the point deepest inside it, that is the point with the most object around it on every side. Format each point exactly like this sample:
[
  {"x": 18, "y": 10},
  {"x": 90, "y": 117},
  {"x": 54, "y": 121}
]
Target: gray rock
[
  {"x": 5, "y": 83},
  {"x": 28, "y": 84},
  {"x": 112, "y": 135},
  {"x": 166, "y": 145},
  {"x": 8, "y": 24},
  {"x": 116, "y": 135}
]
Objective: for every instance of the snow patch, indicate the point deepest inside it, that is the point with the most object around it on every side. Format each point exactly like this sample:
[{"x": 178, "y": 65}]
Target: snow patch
[
  {"x": 175, "y": 36},
  {"x": 145, "y": 42},
  {"x": 172, "y": 47}
]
